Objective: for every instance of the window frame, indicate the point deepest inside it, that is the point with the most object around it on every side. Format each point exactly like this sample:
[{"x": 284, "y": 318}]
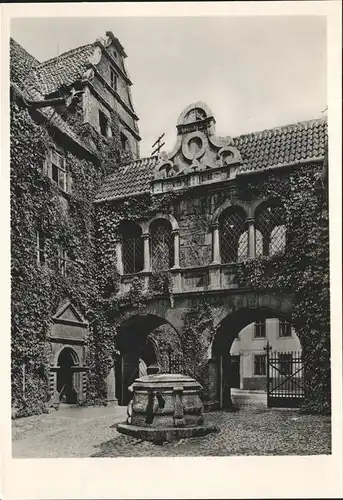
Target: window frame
[
  {"x": 270, "y": 230},
  {"x": 284, "y": 326},
  {"x": 113, "y": 78},
  {"x": 232, "y": 227},
  {"x": 59, "y": 167},
  {"x": 124, "y": 141},
  {"x": 156, "y": 244},
  {"x": 285, "y": 359},
  {"x": 63, "y": 260},
  {"x": 258, "y": 326},
  {"x": 258, "y": 364},
  {"x": 103, "y": 122},
  {"x": 132, "y": 248}
]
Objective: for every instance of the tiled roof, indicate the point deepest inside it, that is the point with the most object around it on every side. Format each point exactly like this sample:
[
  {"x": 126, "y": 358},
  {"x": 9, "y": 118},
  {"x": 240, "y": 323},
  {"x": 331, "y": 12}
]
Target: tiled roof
[
  {"x": 281, "y": 145},
  {"x": 260, "y": 151},
  {"x": 65, "y": 69},
  {"x": 21, "y": 62},
  {"x": 132, "y": 179}
]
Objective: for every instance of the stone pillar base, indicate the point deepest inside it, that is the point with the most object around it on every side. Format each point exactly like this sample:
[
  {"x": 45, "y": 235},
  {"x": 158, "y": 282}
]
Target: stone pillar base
[
  {"x": 214, "y": 274},
  {"x": 113, "y": 402}
]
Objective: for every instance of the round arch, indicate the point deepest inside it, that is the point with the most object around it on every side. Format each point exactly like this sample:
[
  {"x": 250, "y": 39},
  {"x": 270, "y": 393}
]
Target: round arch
[
  {"x": 229, "y": 204},
  {"x": 66, "y": 350},
  {"x": 170, "y": 218},
  {"x": 135, "y": 345},
  {"x": 229, "y": 327},
  {"x": 67, "y": 360},
  {"x": 262, "y": 204}
]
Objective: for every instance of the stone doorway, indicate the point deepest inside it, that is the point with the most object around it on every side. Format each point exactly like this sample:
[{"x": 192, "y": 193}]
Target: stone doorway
[{"x": 67, "y": 361}]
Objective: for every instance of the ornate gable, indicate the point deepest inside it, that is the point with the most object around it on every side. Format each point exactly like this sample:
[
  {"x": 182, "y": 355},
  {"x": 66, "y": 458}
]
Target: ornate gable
[{"x": 199, "y": 156}]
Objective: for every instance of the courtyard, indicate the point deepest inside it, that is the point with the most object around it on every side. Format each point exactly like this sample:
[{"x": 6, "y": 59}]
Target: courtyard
[{"x": 251, "y": 430}]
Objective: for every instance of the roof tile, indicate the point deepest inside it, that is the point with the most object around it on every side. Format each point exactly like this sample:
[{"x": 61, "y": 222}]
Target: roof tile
[
  {"x": 259, "y": 150},
  {"x": 63, "y": 70}
]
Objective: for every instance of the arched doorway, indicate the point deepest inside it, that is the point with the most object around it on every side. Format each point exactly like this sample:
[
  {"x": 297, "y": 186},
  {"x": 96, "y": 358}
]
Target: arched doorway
[
  {"x": 141, "y": 345},
  {"x": 67, "y": 360},
  {"x": 239, "y": 348}
]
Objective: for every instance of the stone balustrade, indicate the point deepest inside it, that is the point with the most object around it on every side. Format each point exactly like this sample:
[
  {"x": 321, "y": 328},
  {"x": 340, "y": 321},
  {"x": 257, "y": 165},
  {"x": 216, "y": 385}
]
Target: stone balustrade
[{"x": 190, "y": 279}]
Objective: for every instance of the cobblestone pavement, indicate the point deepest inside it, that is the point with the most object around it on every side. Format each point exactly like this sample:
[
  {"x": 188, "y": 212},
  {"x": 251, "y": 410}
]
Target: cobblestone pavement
[{"x": 253, "y": 430}]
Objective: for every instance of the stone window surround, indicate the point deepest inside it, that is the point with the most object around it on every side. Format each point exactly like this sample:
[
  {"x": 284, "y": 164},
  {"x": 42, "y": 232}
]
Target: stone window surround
[
  {"x": 145, "y": 226},
  {"x": 249, "y": 210}
]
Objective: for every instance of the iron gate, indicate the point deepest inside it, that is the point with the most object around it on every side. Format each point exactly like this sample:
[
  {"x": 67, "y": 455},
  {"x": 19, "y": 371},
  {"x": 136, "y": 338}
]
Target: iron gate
[{"x": 285, "y": 379}]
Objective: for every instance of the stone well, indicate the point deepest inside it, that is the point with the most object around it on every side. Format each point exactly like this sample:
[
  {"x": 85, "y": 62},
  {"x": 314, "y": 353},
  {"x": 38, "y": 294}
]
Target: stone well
[{"x": 165, "y": 407}]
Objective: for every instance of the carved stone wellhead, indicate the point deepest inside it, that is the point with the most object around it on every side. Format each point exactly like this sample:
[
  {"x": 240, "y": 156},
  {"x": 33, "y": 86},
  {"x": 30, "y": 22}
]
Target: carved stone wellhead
[{"x": 165, "y": 407}]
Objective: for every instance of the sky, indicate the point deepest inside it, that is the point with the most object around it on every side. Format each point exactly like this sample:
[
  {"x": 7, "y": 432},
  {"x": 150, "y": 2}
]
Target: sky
[{"x": 253, "y": 72}]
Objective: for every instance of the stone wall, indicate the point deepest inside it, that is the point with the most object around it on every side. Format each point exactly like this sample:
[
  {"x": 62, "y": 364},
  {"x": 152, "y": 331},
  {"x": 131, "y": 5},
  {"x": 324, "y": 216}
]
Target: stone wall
[{"x": 194, "y": 215}]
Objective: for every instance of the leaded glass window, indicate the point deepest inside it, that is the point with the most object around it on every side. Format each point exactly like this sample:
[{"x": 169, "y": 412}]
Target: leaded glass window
[
  {"x": 132, "y": 247},
  {"x": 162, "y": 245},
  {"x": 233, "y": 236},
  {"x": 270, "y": 231}
]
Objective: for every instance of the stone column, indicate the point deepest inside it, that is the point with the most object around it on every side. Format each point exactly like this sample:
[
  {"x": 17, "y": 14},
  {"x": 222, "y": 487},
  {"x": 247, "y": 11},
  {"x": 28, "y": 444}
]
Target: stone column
[
  {"x": 146, "y": 239},
  {"x": 214, "y": 267},
  {"x": 215, "y": 244},
  {"x": 176, "y": 234},
  {"x": 251, "y": 238},
  {"x": 147, "y": 265}
]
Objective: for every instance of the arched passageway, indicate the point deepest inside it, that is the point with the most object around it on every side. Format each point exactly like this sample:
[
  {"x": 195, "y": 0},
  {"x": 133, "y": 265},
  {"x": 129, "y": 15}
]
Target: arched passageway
[
  {"x": 140, "y": 341},
  {"x": 67, "y": 360},
  {"x": 239, "y": 349}
]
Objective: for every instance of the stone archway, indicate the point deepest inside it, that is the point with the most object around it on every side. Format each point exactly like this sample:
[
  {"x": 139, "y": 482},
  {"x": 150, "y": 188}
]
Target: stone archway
[
  {"x": 67, "y": 361},
  {"x": 136, "y": 349},
  {"x": 231, "y": 310},
  {"x": 227, "y": 332}
]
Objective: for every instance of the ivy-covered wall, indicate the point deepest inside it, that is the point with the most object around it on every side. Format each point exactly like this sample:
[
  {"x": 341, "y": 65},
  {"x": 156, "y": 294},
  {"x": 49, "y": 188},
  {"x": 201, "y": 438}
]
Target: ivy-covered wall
[
  {"x": 302, "y": 272},
  {"x": 89, "y": 234},
  {"x": 65, "y": 219}
]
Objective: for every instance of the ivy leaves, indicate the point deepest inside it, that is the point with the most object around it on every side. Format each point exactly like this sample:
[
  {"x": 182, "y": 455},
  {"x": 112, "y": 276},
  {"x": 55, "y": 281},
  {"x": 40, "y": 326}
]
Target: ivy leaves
[{"x": 302, "y": 272}]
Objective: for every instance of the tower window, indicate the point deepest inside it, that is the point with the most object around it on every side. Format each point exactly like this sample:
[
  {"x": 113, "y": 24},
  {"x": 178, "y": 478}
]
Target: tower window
[
  {"x": 114, "y": 80},
  {"x": 103, "y": 123},
  {"x": 124, "y": 142}
]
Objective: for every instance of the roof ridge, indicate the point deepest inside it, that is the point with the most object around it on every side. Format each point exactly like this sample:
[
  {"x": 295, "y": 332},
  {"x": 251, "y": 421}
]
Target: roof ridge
[
  {"x": 14, "y": 41},
  {"x": 64, "y": 54},
  {"x": 282, "y": 127},
  {"x": 139, "y": 159}
]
